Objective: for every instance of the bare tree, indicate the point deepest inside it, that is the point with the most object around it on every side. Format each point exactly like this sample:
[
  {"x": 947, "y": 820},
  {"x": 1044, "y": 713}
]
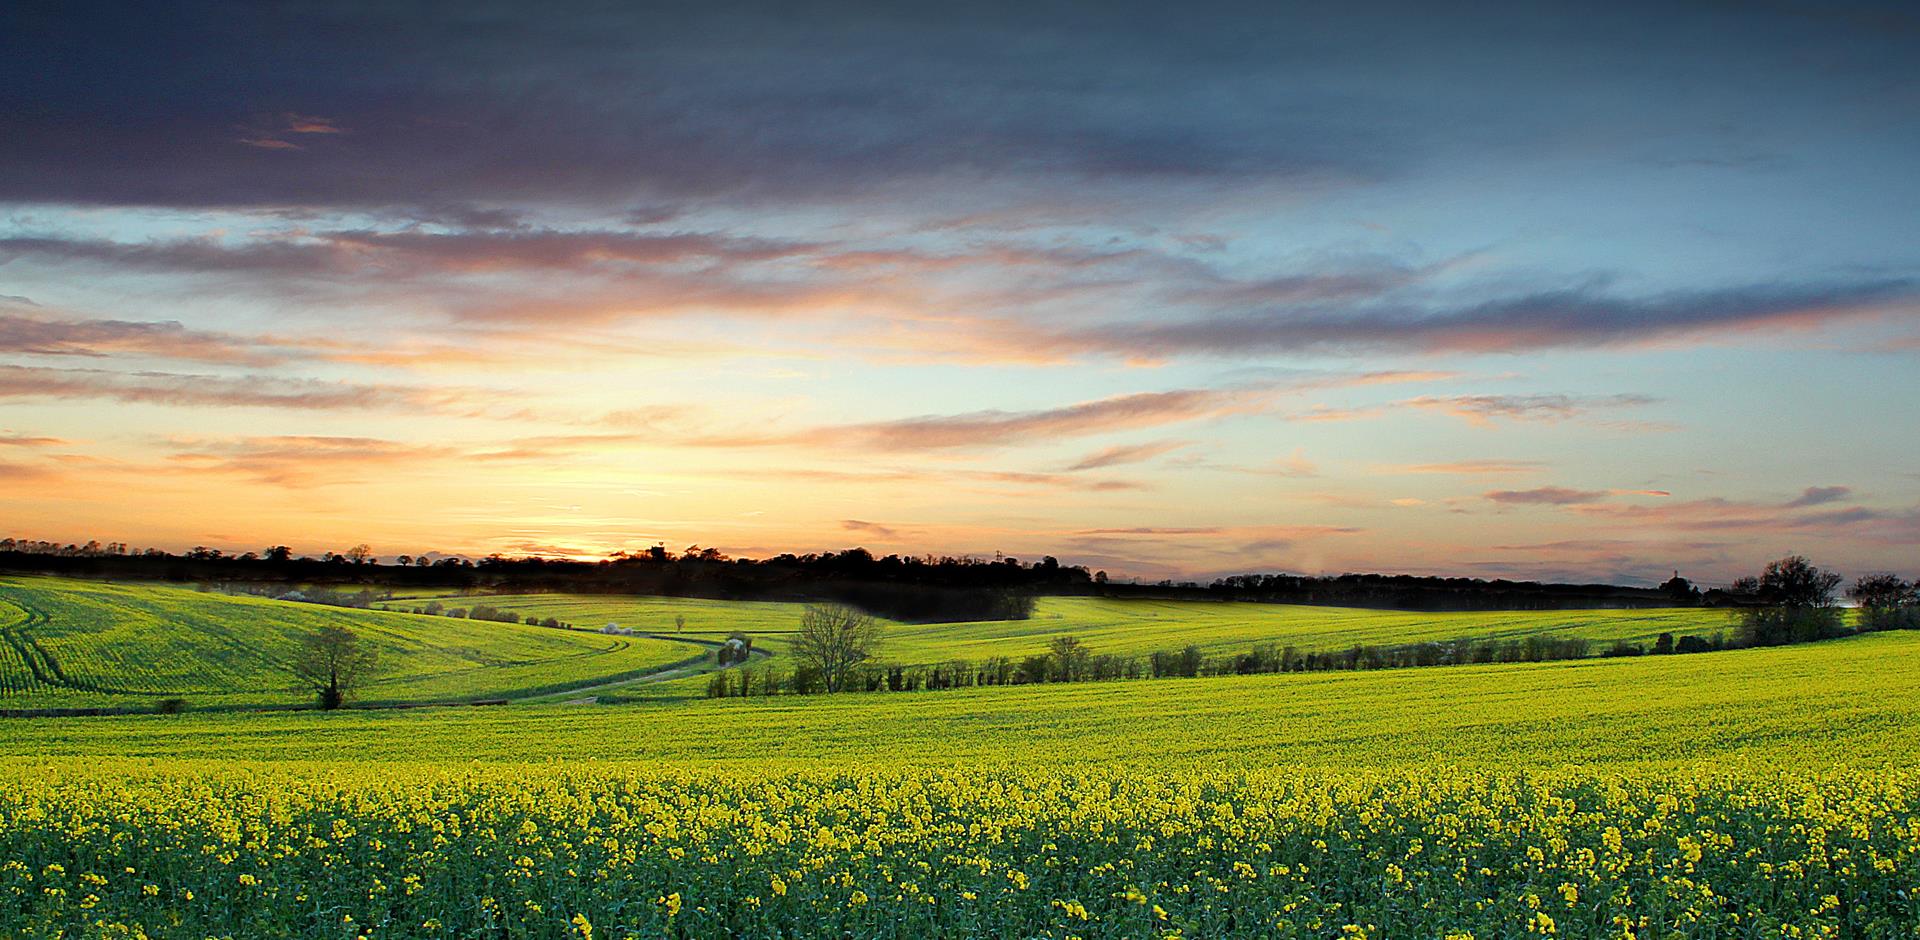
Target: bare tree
[
  {"x": 833, "y": 640},
  {"x": 360, "y": 554},
  {"x": 332, "y": 662}
]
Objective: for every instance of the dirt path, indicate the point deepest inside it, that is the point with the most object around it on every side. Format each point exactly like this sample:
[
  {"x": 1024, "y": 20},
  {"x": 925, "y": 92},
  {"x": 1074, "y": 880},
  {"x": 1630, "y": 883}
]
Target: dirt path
[{"x": 589, "y": 695}]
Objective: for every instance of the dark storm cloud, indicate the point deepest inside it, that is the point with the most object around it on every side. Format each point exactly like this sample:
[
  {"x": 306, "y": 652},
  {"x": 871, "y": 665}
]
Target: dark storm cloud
[
  {"x": 359, "y": 104},
  {"x": 406, "y": 252},
  {"x": 456, "y": 111}
]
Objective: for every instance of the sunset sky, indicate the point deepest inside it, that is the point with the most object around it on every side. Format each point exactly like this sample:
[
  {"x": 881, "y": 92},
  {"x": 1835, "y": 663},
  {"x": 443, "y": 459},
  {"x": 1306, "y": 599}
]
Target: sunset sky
[{"x": 1550, "y": 291}]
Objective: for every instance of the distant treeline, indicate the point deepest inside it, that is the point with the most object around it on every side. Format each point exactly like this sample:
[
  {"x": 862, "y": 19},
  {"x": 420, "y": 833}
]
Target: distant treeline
[
  {"x": 908, "y": 588},
  {"x": 366, "y": 598},
  {"x": 1067, "y": 660},
  {"x": 1791, "y": 601},
  {"x": 1073, "y": 662}
]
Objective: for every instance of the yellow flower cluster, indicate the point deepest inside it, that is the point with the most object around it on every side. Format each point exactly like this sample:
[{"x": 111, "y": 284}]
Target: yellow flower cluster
[{"x": 626, "y": 851}]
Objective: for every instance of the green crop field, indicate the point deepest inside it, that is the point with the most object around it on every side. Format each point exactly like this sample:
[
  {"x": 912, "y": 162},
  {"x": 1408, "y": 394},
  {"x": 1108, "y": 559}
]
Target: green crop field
[
  {"x": 1761, "y": 793},
  {"x": 70, "y": 643},
  {"x": 87, "y": 644},
  {"x": 1853, "y": 701},
  {"x": 1765, "y": 793},
  {"x": 1129, "y": 627}
]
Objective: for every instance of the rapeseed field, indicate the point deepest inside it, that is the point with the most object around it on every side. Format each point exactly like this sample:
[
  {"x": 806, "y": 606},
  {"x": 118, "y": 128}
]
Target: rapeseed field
[{"x": 1758, "y": 793}]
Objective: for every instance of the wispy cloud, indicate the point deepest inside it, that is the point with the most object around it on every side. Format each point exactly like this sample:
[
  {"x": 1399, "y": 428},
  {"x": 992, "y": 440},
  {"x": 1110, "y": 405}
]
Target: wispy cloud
[
  {"x": 1800, "y": 515},
  {"x": 1287, "y": 533},
  {"x": 99, "y": 338},
  {"x": 1486, "y": 409},
  {"x": 304, "y": 460},
  {"x": 874, "y": 529},
  {"x": 999, "y": 428},
  {"x": 1126, "y": 453},
  {"x": 1820, "y": 495},
  {"x": 25, "y": 440},
  {"x": 26, "y": 383},
  {"x": 1545, "y": 496},
  {"x": 405, "y": 252},
  {"x": 1566, "y": 318},
  {"x": 996, "y": 480},
  {"x": 1469, "y": 468}
]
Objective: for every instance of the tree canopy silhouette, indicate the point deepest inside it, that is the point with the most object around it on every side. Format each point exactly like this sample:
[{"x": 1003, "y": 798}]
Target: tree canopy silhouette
[{"x": 333, "y": 663}]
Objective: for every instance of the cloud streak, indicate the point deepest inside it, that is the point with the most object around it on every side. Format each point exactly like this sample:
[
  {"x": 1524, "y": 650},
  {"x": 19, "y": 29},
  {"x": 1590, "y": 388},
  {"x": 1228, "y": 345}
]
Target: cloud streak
[
  {"x": 1126, "y": 454},
  {"x": 304, "y": 460},
  {"x": 1000, "y": 428},
  {"x": 1553, "y": 319},
  {"x": 100, "y": 338},
  {"x": 29, "y": 383}
]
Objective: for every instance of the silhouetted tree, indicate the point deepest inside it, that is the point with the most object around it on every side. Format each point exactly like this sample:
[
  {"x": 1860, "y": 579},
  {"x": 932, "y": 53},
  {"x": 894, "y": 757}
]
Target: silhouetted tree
[
  {"x": 1680, "y": 591},
  {"x": 1795, "y": 582},
  {"x": 333, "y": 663},
  {"x": 1887, "y": 602},
  {"x": 1795, "y": 604}
]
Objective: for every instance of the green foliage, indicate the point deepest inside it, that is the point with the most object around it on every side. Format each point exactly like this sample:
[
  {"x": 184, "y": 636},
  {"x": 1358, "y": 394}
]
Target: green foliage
[
  {"x": 1854, "y": 700},
  {"x": 1120, "y": 627},
  {"x": 634, "y": 852},
  {"x": 1766, "y": 793},
  {"x": 72, "y": 643}
]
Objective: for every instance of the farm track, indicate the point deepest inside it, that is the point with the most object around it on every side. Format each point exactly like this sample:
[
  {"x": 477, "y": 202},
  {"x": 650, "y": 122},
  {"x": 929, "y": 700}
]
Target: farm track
[
  {"x": 75, "y": 645},
  {"x": 39, "y": 661},
  {"x": 589, "y": 695}
]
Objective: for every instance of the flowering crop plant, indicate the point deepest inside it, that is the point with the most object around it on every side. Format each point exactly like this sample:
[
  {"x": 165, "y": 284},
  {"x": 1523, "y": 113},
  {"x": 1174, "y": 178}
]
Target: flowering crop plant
[{"x": 115, "y": 851}]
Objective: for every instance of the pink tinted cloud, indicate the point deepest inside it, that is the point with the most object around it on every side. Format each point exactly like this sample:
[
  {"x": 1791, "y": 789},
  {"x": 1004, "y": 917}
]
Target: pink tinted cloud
[
  {"x": 874, "y": 529},
  {"x": 1562, "y": 496},
  {"x": 23, "y": 440},
  {"x": 165, "y": 339},
  {"x": 1467, "y": 468},
  {"x": 1545, "y": 496},
  {"x": 311, "y": 124},
  {"x": 1126, "y": 453},
  {"x": 304, "y": 460},
  {"x": 997, "y": 428},
  {"x": 1486, "y": 409},
  {"x": 28, "y": 383}
]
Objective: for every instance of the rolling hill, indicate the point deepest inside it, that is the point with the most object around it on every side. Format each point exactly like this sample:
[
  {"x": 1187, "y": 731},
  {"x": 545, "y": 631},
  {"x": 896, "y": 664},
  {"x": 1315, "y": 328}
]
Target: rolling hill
[
  {"x": 1129, "y": 627},
  {"x": 73, "y": 643}
]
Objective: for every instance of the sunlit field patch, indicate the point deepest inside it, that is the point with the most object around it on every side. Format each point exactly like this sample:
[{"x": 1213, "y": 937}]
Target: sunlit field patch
[
  {"x": 1126, "y": 627},
  {"x": 72, "y": 643}
]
